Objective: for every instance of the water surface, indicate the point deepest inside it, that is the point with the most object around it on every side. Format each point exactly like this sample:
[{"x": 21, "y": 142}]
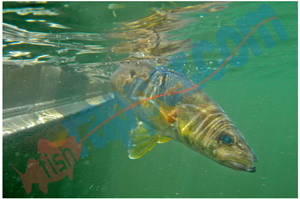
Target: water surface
[{"x": 259, "y": 97}]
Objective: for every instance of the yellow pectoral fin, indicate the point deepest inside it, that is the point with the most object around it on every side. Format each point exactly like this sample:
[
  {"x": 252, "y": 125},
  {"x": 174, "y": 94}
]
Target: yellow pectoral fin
[
  {"x": 142, "y": 140},
  {"x": 142, "y": 147},
  {"x": 163, "y": 139},
  {"x": 139, "y": 134}
]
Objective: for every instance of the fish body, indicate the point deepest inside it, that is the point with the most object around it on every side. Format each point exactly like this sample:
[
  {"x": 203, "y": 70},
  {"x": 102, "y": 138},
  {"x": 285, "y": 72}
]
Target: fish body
[{"x": 191, "y": 118}]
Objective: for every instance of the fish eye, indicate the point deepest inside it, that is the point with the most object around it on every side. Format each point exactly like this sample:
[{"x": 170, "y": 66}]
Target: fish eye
[{"x": 226, "y": 138}]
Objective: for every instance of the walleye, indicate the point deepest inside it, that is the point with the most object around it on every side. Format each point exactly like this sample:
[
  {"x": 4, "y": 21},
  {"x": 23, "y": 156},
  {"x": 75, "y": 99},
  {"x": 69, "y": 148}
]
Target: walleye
[{"x": 191, "y": 118}]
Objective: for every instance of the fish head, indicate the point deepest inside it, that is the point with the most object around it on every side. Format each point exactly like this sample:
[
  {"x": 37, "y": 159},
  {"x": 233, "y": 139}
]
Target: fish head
[
  {"x": 208, "y": 131},
  {"x": 230, "y": 149}
]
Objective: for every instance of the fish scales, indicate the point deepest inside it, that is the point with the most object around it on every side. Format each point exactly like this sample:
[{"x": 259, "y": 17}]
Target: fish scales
[{"x": 192, "y": 118}]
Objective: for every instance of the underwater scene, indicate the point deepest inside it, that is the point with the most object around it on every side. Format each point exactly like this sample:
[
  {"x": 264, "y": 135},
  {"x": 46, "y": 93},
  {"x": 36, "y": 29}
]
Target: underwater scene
[{"x": 150, "y": 99}]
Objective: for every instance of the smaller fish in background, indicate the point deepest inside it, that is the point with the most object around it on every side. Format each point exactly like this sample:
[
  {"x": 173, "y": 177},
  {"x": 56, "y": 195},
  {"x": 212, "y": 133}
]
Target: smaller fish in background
[{"x": 114, "y": 6}]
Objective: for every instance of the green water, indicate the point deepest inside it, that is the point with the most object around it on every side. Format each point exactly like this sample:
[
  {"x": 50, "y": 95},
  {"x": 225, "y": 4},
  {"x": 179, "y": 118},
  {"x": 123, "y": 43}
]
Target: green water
[{"x": 259, "y": 97}]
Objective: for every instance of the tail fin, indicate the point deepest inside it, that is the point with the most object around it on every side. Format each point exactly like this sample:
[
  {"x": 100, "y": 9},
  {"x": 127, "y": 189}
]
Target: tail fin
[
  {"x": 26, "y": 185},
  {"x": 17, "y": 170}
]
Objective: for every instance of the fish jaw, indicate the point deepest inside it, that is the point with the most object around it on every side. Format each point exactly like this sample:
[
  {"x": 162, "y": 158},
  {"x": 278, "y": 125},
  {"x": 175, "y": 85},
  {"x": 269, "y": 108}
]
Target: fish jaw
[
  {"x": 236, "y": 159},
  {"x": 238, "y": 155},
  {"x": 242, "y": 167}
]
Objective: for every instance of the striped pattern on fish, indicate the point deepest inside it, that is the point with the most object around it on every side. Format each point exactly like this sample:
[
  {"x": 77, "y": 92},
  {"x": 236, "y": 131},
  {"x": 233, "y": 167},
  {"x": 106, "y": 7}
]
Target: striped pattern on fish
[{"x": 192, "y": 118}]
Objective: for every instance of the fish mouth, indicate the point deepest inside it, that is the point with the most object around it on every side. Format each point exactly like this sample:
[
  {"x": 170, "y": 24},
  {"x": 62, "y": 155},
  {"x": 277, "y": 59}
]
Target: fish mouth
[
  {"x": 241, "y": 162},
  {"x": 242, "y": 167}
]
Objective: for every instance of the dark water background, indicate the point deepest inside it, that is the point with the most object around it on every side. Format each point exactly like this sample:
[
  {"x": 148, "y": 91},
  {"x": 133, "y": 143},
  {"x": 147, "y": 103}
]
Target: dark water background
[{"x": 260, "y": 98}]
